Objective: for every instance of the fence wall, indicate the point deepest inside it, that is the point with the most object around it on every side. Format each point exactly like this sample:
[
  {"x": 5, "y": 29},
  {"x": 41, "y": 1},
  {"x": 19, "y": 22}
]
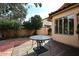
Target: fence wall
[{"x": 18, "y": 33}]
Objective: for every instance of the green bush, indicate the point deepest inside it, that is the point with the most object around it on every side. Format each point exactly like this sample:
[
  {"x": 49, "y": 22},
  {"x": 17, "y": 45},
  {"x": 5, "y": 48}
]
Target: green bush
[
  {"x": 9, "y": 24},
  {"x": 6, "y": 25},
  {"x": 27, "y": 25}
]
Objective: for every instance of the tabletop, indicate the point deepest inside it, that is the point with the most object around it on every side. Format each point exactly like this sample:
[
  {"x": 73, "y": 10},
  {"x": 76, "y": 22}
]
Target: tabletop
[{"x": 40, "y": 37}]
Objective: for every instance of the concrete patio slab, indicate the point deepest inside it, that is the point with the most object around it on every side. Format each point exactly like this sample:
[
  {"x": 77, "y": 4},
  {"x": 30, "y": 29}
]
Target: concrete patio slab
[{"x": 26, "y": 49}]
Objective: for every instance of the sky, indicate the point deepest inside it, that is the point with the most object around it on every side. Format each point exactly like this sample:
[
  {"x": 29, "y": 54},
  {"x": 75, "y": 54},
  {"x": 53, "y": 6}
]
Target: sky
[
  {"x": 44, "y": 10},
  {"x": 48, "y": 6}
]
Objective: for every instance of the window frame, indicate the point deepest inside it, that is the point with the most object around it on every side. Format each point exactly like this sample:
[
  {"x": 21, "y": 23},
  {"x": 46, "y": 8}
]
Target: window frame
[{"x": 63, "y": 25}]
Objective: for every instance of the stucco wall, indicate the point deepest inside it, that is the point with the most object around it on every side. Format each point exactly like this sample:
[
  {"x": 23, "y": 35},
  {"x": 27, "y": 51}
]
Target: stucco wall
[
  {"x": 25, "y": 32},
  {"x": 45, "y": 22},
  {"x": 42, "y": 31},
  {"x": 18, "y": 33},
  {"x": 67, "y": 39}
]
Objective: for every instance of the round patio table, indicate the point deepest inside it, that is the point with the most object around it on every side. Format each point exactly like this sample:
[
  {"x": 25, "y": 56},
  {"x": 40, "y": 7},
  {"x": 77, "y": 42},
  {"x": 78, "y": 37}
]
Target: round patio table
[{"x": 39, "y": 39}]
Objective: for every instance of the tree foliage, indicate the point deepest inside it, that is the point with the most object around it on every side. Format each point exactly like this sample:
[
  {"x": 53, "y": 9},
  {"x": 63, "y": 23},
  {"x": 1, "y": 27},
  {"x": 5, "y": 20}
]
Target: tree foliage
[
  {"x": 6, "y": 25},
  {"x": 9, "y": 24},
  {"x": 14, "y": 10},
  {"x": 34, "y": 23}
]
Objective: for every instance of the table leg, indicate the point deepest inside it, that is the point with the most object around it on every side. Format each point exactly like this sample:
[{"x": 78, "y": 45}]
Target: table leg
[
  {"x": 39, "y": 44},
  {"x": 40, "y": 49}
]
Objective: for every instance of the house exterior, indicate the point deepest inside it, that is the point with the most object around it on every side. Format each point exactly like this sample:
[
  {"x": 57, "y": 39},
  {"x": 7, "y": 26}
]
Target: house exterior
[
  {"x": 46, "y": 23},
  {"x": 64, "y": 24}
]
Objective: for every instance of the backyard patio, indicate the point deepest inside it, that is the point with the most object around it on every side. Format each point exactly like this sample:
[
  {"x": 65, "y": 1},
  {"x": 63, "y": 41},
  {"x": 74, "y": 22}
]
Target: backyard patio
[
  {"x": 60, "y": 37},
  {"x": 23, "y": 47}
]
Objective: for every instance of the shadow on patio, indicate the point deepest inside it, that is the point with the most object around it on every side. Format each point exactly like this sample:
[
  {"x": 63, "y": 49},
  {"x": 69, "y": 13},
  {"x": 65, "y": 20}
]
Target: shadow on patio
[{"x": 58, "y": 49}]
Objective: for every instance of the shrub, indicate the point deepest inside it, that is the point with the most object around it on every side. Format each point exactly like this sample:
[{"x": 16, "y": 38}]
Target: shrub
[
  {"x": 27, "y": 25},
  {"x": 6, "y": 25},
  {"x": 9, "y": 24}
]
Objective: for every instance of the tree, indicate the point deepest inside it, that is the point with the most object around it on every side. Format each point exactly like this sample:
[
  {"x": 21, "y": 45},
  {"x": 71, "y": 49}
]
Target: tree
[
  {"x": 34, "y": 23},
  {"x": 10, "y": 12},
  {"x": 27, "y": 25},
  {"x": 14, "y": 10}
]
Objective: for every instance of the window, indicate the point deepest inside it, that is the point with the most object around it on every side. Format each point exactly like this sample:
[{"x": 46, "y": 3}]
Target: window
[
  {"x": 60, "y": 25},
  {"x": 65, "y": 25},
  {"x": 56, "y": 26},
  {"x": 71, "y": 24}
]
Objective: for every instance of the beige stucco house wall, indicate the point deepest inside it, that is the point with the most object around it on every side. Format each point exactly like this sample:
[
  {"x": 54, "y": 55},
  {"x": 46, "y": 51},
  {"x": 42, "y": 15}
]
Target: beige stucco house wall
[
  {"x": 71, "y": 40},
  {"x": 44, "y": 29},
  {"x": 46, "y": 22}
]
